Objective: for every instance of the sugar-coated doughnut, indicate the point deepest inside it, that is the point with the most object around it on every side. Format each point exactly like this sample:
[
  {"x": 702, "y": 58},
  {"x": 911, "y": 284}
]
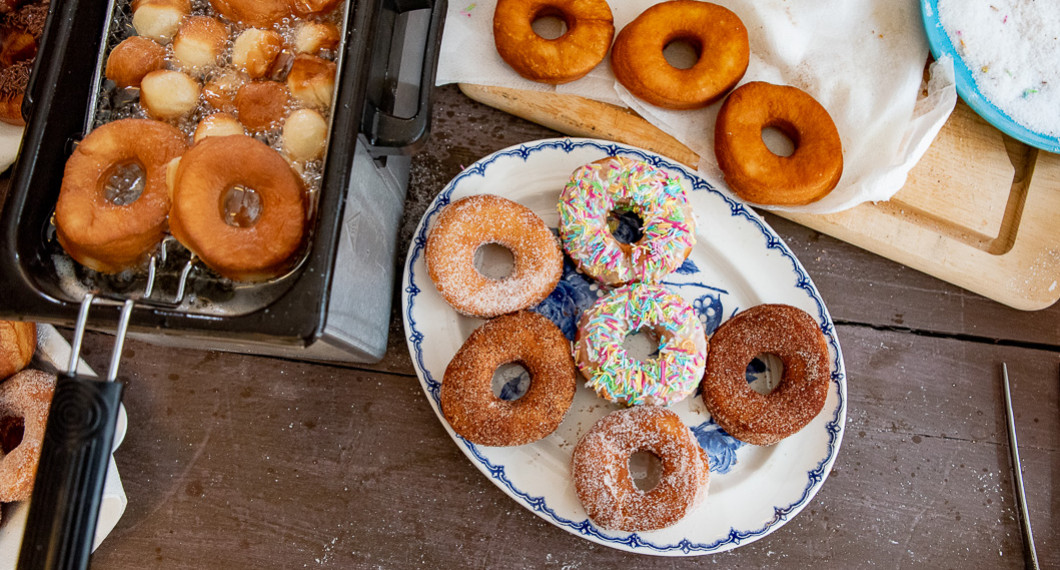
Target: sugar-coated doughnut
[
  {"x": 467, "y": 398},
  {"x": 200, "y": 42},
  {"x": 218, "y": 125},
  {"x": 617, "y": 376},
  {"x": 311, "y": 80},
  {"x": 159, "y": 19},
  {"x": 26, "y": 396},
  {"x": 469, "y": 223},
  {"x": 167, "y": 94},
  {"x": 600, "y": 469},
  {"x": 782, "y": 330},
  {"x": 255, "y": 50},
  {"x": 260, "y": 13},
  {"x": 241, "y": 248},
  {"x": 590, "y": 28},
  {"x": 132, "y": 59},
  {"x": 718, "y": 36},
  {"x": 759, "y": 175},
  {"x": 305, "y": 134},
  {"x": 261, "y": 105},
  {"x": 598, "y": 189},
  {"x": 18, "y": 341},
  {"x": 314, "y": 37},
  {"x": 97, "y": 232}
]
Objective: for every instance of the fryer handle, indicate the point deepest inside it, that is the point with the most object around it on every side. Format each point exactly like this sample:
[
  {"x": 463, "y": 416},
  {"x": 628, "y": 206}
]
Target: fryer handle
[
  {"x": 75, "y": 453},
  {"x": 389, "y": 133}
]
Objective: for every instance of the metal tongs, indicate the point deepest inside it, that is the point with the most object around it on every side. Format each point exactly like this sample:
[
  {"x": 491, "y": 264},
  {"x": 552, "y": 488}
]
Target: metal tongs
[{"x": 75, "y": 453}]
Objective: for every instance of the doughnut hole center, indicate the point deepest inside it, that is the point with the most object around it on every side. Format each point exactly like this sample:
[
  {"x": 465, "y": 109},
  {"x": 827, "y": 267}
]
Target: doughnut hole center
[
  {"x": 240, "y": 206},
  {"x": 549, "y": 24},
  {"x": 764, "y": 372},
  {"x": 645, "y": 468},
  {"x": 125, "y": 183},
  {"x": 682, "y": 52},
  {"x": 11, "y": 431},
  {"x": 781, "y": 139},
  {"x": 642, "y": 344},
  {"x": 511, "y": 381},
  {"x": 625, "y": 225},
  {"x": 494, "y": 261}
]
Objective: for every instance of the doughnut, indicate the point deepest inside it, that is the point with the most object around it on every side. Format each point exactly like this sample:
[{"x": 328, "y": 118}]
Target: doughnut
[
  {"x": 26, "y": 396},
  {"x": 717, "y": 35},
  {"x": 623, "y": 184},
  {"x": 314, "y": 37},
  {"x": 97, "y": 232},
  {"x": 467, "y": 398},
  {"x": 20, "y": 31},
  {"x": 753, "y": 171},
  {"x": 18, "y": 340},
  {"x": 199, "y": 43},
  {"x": 220, "y": 90},
  {"x": 617, "y": 376},
  {"x": 261, "y": 13},
  {"x": 469, "y": 223},
  {"x": 312, "y": 80},
  {"x": 241, "y": 247},
  {"x": 261, "y": 105},
  {"x": 305, "y": 135},
  {"x": 13, "y": 82},
  {"x": 218, "y": 125},
  {"x": 254, "y": 51},
  {"x": 792, "y": 335},
  {"x": 306, "y": 8},
  {"x": 590, "y": 28},
  {"x": 132, "y": 59},
  {"x": 159, "y": 19},
  {"x": 168, "y": 95},
  {"x": 600, "y": 469}
]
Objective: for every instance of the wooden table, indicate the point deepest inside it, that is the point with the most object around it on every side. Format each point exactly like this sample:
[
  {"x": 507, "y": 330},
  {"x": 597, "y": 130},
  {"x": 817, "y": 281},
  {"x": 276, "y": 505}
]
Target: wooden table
[{"x": 236, "y": 461}]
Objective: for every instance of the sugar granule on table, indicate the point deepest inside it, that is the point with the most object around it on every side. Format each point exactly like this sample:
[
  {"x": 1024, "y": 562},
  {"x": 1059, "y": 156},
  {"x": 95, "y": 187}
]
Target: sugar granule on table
[{"x": 1012, "y": 48}]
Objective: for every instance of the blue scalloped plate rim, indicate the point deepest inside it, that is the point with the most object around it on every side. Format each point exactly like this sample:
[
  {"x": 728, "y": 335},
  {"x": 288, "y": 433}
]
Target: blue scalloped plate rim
[
  {"x": 833, "y": 427},
  {"x": 940, "y": 45}
]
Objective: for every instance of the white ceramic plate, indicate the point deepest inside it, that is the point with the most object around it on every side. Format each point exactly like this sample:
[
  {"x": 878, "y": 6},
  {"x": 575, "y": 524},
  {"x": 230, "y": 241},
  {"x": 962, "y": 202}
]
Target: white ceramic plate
[
  {"x": 53, "y": 355},
  {"x": 738, "y": 262}
]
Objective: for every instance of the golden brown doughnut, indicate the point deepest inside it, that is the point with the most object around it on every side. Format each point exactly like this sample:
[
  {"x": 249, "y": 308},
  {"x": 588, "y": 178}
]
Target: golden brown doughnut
[
  {"x": 255, "y": 50},
  {"x": 261, "y": 13},
  {"x": 305, "y": 8},
  {"x": 218, "y": 125},
  {"x": 261, "y": 105},
  {"x": 132, "y": 59},
  {"x": 220, "y": 90},
  {"x": 25, "y": 396},
  {"x": 467, "y": 224},
  {"x": 246, "y": 249},
  {"x": 18, "y": 341},
  {"x": 590, "y": 28},
  {"x": 718, "y": 36},
  {"x": 96, "y": 232},
  {"x": 159, "y": 19},
  {"x": 467, "y": 398},
  {"x": 200, "y": 42},
  {"x": 167, "y": 94},
  {"x": 600, "y": 469},
  {"x": 792, "y": 335},
  {"x": 314, "y": 37},
  {"x": 312, "y": 80},
  {"x": 754, "y": 172}
]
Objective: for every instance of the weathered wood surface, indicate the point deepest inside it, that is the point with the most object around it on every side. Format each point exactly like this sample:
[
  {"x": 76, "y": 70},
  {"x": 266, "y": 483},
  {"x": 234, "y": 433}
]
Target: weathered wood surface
[{"x": 235, "y": 461}]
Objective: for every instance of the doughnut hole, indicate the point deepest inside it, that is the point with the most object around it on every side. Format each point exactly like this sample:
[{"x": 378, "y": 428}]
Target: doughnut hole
[
  {"x": 240, "y": 206},
  {"x": 167, "y": 94},
  {"x": 780, "y": 138},
  {"x": 12, "y": 428},
  {"x": 312, "y": 80},
  {"x": 494, "y": 261},
  {"x": 305, "y": 135},
  {"x": 261, "y": 105},
  {"x": 159, "y": 19},
  {"x": 313, "y": 37},
  {"x": 642, "y": 344},
  {"x": 124, "y": 183},
  {"x": 132, "y": 59},
  {"x": 511, "y": 381},
  {"x": 255, "y": 50},
  {"x": 220, "y": 91},
  {"x": 550, "y": 24},
  {"x": 646, "y": 469},
  {"x": 683, "y": 53},
  {"x": 218, "y": 125},
  {"x": 626, "y": 226},
  {"x": 764, "y": 372},
  {"x": 199, "y": 43}
]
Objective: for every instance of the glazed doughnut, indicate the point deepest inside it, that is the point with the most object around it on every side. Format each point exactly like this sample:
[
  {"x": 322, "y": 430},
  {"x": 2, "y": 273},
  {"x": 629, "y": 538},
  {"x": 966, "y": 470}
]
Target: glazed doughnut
[
  {"x": 617, "y": 376},
  {"x": 260, "y": 13},
  {"x": 18, "y": 340},
  {"x": 218, "y": 125},
  {"x": 792, "y": 335},
  {"x": 168, "y": 95},
  {"x": 717, "y": 35},
  {"x": 305, "y": 135},
  {"x": 254, "y": 51},
  {"x": 159, "y": 19},
  {"x": 261, "y": 105},
  {"x": 314, "y": 37},
  {"x": 467, "y": 398},
  {"x": 469, "y": 223},
  {"x": 239, "y": 247},
  {"x": 618, "y": 183},
  {"x": 600, "y": 469},
  {"x": 132, "y": 59},
  {"x": 26, "y": 396},
  {"x": 200, "y": 42},
  {"x": 312, "y": 81},
  {"x": 13, "y": 81},
  {"x": 101, "y": 234},
  {"x": 753, "y": 171},
  {"x": 590, "y": 28}
]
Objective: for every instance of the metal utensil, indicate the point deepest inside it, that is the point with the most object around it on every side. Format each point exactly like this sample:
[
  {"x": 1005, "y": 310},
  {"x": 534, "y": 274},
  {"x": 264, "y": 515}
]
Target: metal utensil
[{"x": 1029, "y": 554}]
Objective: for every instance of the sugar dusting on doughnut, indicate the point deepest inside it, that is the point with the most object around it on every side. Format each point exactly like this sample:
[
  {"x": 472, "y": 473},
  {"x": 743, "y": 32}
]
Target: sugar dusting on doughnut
[{"x": 26, "y": 395}]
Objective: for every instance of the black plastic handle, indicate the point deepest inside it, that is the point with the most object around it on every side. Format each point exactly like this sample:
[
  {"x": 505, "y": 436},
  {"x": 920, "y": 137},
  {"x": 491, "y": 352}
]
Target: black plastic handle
[
  {"x": 61, "y": 524},
  {"x": 52, "y": 42},
  {"x": 389, "y": 133}
]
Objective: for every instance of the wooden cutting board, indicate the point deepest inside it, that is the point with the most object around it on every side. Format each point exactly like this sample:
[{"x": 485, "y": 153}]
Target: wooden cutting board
[{"x": 980, "y": 210}]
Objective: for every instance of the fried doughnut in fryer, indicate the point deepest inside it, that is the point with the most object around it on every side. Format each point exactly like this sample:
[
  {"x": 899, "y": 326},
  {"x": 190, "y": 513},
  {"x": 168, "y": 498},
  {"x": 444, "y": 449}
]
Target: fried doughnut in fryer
[
  {"x": 260, "y": 13},
  {"x": 218, "y": 125},
  {"x": 200, "y": 42},
  {"x": 159, "y": 19},
  {"x": 467, "y": 398},
  {"x": 792, "y": 335},
  {"x": 255, "y": 50},
  {"x": 313, "y": 37},
  {"x": 167, "y": 94},
  {"x": 590, "y": 28},
  {"x": 18, "y": 340},
  {"x": 132, "y": 59},
  {"x": 305, "y": 135},
  {"x": 261, "y": 105},
  {"x": 311, "y": 80},
  {"x": 25, "y": 396}
]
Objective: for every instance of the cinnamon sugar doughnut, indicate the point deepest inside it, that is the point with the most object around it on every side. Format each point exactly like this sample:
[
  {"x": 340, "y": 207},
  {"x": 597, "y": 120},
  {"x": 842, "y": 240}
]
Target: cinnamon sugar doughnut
[
  {"x": 753, "y": 171},
  {"x": 26, "y": 396},
  {"x": 718, "y": 36},
  {"x": 97, "y": 232},
  {"x": 132, "y": 59},
  {"x": 18, "y": 340},
  {"x": 467, "y": 398},
  {"x": 792, "y": 335},
  {"x": 590, "y": 28},
  {"x": 600, "y": 469},
  {"x": 469, "y": 223},
  {"x": 240, "y": 247}
]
